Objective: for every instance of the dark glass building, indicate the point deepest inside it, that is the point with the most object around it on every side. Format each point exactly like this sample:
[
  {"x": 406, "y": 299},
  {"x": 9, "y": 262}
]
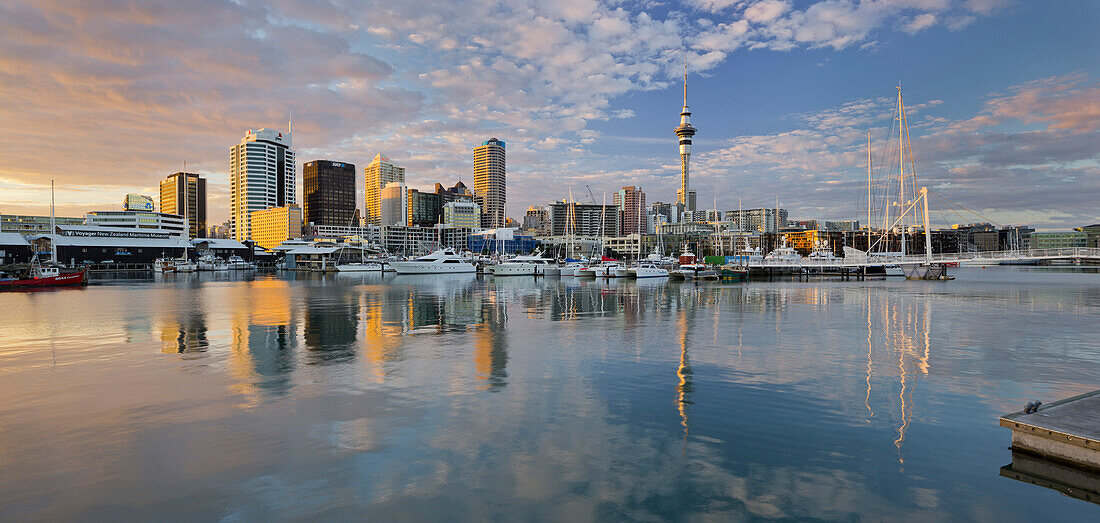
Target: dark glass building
[
  {"x": 424, "y": 208},
  {"x": 329, "y": 193}
]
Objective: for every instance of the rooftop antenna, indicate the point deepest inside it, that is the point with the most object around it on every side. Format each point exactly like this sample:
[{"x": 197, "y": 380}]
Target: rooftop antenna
[
  {"x": 290, "y": 123},
  {"x": 685, "y": 78}
]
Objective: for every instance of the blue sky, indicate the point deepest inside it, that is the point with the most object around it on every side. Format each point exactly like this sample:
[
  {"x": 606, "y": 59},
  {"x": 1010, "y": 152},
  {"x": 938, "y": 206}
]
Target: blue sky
[{"x": 1005, "y": 96}]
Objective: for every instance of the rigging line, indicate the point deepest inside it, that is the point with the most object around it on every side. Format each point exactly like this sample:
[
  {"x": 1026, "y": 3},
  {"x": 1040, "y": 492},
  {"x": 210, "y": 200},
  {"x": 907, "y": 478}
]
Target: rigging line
[
  {"x": 961, "y": 217},
  {"x": 980, "y": 215}
]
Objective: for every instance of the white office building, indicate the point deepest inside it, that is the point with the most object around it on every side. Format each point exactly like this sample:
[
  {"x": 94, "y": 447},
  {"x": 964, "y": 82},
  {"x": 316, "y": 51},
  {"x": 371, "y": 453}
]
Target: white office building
[{"x": 262, "y": 171}]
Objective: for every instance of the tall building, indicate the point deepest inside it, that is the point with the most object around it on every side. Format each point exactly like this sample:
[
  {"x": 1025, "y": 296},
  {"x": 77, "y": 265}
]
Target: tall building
[
  {"x": 490, "y": 182},
  {"x": 261, "y": 176},
  {"x": 376, "y": 176},
  {"x": 393, "y": 205},
  {"x": 138, "y": 202},
  {"x": 185, "y": 194},
  {"x": 273, "y": 226},
  {"x": 423, "y": 208},
  {"x": 685, "y": 196},
  {"x": 583, "y": 219},
  {"x": 329, "y": 193},
  {"x": 631, "y": 203}
]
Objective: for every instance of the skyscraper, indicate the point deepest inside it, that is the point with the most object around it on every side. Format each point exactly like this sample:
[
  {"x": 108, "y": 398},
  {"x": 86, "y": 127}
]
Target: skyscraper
[
  {"x": 376, "y": 176},
  {"x": 393, "y": 205},
  {"x": 489, "y": 182},
  {"x": 261, "y": 176},
  {"x": 329, "y": 193},
  {"x": 185, "y": 194},
  {"x": 631, "y": 203},
  {"x": 685, "y": 196}
]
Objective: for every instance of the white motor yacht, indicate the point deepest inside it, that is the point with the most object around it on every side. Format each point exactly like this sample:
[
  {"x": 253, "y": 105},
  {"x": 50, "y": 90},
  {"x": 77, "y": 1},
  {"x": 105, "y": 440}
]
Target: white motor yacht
[
  {"x": 236, "y": 263},
  {"x": 363, "y": 266},
  {"x": 822, "y": 253},
  {"x": 648, "y": 270},
  {"x": 443, "y": 261},
  {"x": 523, "y": 265}
]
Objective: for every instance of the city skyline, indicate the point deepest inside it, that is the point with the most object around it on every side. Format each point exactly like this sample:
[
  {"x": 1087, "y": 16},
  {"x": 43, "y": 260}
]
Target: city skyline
[{"x": 585, "y": 94}]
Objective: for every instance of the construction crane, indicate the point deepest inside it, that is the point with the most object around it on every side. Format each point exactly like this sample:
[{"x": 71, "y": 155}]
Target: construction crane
[{"x": 590, "y": 195}]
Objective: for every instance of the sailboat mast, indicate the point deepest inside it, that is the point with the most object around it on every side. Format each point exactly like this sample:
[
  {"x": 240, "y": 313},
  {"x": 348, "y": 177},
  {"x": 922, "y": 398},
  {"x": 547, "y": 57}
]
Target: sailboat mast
[
  {"x": 901, "y": 166},
  {"x": 868, "y": 191},
  {"x": 53, "y": 227}
]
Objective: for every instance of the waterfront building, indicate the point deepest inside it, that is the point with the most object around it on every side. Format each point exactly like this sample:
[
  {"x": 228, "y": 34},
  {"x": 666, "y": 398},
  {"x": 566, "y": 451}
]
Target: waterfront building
[
  {"x": 139, "y": 202},
  {"x": 631, "y": 203},
  {"x": 760, "y": 220},
  {"x": 1058, "y": 240},
  {"x": 490, "y": 182},
  {"x": 261, "y": 176},
  {"x": 588, "y": 219},
  {"x": 173, "y": 224},
  {"x": 455, "y": 237},
  {"x": 14, "y": 248},
  {"x": 684, "y": 132},
  {"x": 808, "y": 225},
  {"x": 185, "y": 194},
  {"x": 221, "y": 247},
  {"x": 376, "y": 176},
  {"x": 462, "y": 214},
  {"x": 115, "y": 244},
  {"x": 1092, "y": 234},
  {"x": 504, "y": 240},
  {"x": 399, "y": 239},
  {"x": 28, "y": 225},
  {"x": 328, "y": 193},
  {"x": 393, "y": 205},
  {"x": 423, "y": 208},
  {"x": 270, "y": 227},
  {"x": 369, "y": 233}
]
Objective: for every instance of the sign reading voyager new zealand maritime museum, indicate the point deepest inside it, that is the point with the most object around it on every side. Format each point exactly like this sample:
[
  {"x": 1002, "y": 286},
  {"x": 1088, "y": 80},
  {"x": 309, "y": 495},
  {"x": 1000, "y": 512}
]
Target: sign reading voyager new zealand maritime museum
[{"x": 121, "y": 233}]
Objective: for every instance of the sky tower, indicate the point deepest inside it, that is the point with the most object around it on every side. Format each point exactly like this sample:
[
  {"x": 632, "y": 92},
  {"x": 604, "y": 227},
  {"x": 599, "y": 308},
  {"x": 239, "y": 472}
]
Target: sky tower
[{"x": 685, "y": 196}]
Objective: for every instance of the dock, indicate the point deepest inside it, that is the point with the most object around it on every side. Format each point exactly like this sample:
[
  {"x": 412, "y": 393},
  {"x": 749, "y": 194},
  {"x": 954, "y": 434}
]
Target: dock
[{"x": 1067, "y": 431}]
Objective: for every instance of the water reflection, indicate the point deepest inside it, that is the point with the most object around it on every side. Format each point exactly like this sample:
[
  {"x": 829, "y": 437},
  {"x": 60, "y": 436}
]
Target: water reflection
[{"x": 522, "y": 398}]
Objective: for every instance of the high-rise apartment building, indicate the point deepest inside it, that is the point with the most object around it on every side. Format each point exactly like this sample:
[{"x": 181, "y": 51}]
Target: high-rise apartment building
[
  {"x": 261, "y": 176},
  {"x": 329, "y": 193},
  {"x": 185, "y": 194},
  {"x": 631, "y": 203},
  {"x": 537, "y": 220},
  {"x": 376, "y": 176},
  {"x": 490, "y": 182},
  {"x": 762, "y": 220},
  {"x": 393, "y": 205}
]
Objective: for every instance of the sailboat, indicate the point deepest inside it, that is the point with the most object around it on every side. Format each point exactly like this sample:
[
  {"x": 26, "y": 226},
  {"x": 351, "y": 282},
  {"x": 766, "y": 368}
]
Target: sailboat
[{"x": 908, "y": 209}]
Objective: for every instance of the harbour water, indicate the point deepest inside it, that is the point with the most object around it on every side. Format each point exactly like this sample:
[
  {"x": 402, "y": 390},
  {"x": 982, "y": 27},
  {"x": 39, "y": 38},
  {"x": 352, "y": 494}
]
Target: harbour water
[{"x": 463, "y": 397}]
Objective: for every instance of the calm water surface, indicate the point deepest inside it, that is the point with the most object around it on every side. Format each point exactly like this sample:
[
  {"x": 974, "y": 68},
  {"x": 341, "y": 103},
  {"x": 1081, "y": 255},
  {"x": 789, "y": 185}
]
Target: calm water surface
[{"x": 459, "y": 397}]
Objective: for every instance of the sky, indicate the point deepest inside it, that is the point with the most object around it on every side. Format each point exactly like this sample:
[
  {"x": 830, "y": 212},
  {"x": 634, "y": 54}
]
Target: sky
[{"x": 107, "y": 97}]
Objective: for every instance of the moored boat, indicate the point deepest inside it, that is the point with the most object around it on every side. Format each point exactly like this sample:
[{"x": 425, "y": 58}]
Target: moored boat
[
  {"x": 39, "y": 276},
  {"x": 443, "y": 261}
]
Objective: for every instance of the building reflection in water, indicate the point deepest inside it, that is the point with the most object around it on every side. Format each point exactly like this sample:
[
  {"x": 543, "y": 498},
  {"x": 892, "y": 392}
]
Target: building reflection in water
[
  {"x": 331, "y": 323},
  {"x": 186, "y": 334},
  {"x": 491, "y": 344},
  {"x": 263, "y": 339}
]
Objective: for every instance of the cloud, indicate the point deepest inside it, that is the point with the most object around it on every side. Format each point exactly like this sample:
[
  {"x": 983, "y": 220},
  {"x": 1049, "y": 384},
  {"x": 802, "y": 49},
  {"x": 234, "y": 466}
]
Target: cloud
[
  {"x": 1024, "y": 153},
  {"x": 133, "y": 90}
]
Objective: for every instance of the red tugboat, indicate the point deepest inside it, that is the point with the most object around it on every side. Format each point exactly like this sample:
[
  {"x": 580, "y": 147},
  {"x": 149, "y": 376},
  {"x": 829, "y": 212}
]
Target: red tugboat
[{"x": 39, "y": 276}]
